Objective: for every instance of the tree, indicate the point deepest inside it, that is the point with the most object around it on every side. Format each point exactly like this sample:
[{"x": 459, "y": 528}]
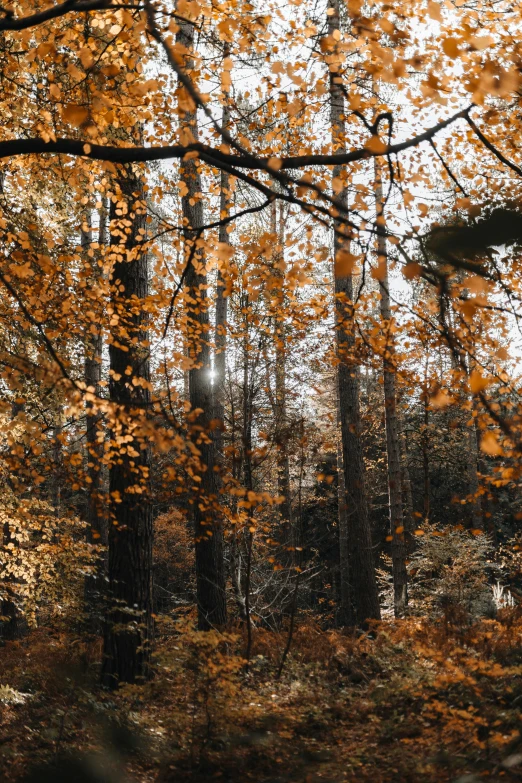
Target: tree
[
  {"x": 361, "y": 567},
  {"x": 129, "y": 622},
  {"x": 393, "y": 434},
  {"x": 208, "y": 533}
]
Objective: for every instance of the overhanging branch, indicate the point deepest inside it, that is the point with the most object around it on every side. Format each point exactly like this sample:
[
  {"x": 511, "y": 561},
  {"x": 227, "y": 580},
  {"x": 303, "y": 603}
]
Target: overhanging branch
[{"x": 213, "y": 156}]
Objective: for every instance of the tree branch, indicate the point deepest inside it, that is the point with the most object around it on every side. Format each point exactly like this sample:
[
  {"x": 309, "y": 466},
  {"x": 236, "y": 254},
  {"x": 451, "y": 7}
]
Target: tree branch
[
  {"x": 10, "y": 22},
  {"x": 214, "y": 156}
]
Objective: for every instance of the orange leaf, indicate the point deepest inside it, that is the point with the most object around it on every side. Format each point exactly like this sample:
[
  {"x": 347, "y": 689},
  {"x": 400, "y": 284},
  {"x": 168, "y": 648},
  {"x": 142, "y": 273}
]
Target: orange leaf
[
  {"x": 477, "y": 382},
  {"x": 376, "y": 144},
  {"x": 450, "y": 47},
  {"x": 490, "y": 445},
  {"x": 344, "y": 263},
  {"x": 75, "y": 115},
  {"x": 411, "y": 270}
]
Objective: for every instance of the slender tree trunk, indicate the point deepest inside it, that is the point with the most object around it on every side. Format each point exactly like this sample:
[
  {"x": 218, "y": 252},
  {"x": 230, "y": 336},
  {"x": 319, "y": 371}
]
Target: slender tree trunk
[
  {"x": 97, "y": 532},
  {"x": 129, "y": 626},
  {"x": 287, "y": 533},
  {"x": 210, "y": 572},
  {"x": 407, "y": 495},
  {"x": 248, "y": 478},
  {"x": 346, "y": 604},
  {"x": 57, "y": 477},
  {"x": 471, "y": 451},
  {"x": 220, "y": 356},
  {"x": 398, "y": 546},
  {"x": 362, "y": 571},
  {"x": 425, "y": 445}
]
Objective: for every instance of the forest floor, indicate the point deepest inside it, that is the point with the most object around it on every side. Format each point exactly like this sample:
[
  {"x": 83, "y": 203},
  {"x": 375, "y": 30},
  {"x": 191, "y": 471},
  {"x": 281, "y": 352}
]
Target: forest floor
[{"x": 413, "y": 701}]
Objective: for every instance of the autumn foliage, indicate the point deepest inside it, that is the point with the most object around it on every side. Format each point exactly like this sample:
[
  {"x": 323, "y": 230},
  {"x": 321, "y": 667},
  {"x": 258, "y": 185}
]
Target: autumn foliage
[{"x": 260, "y": 378}]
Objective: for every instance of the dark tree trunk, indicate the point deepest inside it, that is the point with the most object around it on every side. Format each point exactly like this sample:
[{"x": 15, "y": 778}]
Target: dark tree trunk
[
  {"x": 210, "y": 574},
  {"x": 128, "y": 631},
  {"x": 393, "y": 450},
  {"x": 345, "y": 593},
  {"x": 95, "y": 516},
  {"x": 425, "y": 446},
  {"x": 361, "y": 567},
  {"x": 287, "y": 534},
  {"x": 13, "y": 625},
  {"x": 220, "y": 355}
]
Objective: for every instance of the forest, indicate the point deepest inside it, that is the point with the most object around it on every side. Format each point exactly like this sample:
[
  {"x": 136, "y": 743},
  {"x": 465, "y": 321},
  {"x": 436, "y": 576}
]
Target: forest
[{"x": 260, "y": 391}]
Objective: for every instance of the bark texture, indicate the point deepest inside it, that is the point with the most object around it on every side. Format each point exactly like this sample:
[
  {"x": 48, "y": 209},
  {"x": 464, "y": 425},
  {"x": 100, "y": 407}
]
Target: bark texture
[
  {"x": 393, "y": 433},
  {"x": 95, "y": 515},
  {"x": 220, "y": 355},
  {"x": 361, "y": 566},
  {"x": 129, "y": 626},
  {"x": 287, "y": 533},
  {"x": 210, "y": 573}
]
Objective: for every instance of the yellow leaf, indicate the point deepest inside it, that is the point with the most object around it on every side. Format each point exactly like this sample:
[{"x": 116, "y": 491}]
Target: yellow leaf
[
  {"x": 224, "y": 251},
  {"x": 481, "y": 42},
  {"x": 490, "y": 445},
  {"x": 86, "y": 58},
  {"x": 476, "y": 284},
  {"x": 477, "y": 382},
  {"x": 440, "y": 399},
  {"x": 22, "y": 271},
  {"x": 434, "y": 11},
  {"x": 418, "y": 532}
]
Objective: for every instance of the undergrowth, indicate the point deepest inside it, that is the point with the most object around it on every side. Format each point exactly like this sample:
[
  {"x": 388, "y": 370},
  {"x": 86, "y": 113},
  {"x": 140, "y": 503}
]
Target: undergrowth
[{"x": 408, "y": 701}]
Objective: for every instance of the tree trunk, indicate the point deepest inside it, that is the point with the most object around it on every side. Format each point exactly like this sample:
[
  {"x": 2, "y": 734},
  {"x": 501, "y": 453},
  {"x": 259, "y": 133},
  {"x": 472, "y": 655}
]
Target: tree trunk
[
  {"x": 220, "y": 355},
  {"x": 472, "y": 451},
  {"x": 346, "y": 604},
  {"x": 210, "y": 573},
  {"x": 362, "y": 571},
  {"x": 407, "y": 495},
  {"x": 13, "y": 624},
  {"x": 97, "y": 532},
  {"x": 128, "y": 632},
  {"x": 393, "y": 451},
  {"x": 287, "y": 533},
  {"x": 425, "y": 445}
]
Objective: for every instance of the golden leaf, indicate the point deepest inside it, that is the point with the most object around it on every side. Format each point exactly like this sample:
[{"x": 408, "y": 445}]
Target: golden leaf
[
  {"x": 86, "y": 58},
  {"x": 75, "y": 115},
  {"x": 275, "y": 163},
  {"x": 490, "y": 445},
  {"x": 450, "y": 47},
  {"x": 224, "y": 251},
  {"x": 376, "y": 144},
  {"x": 477, "y": 382},
  {"x": 411, "y": 270},
  {"x": 344, "y": 263},
  {"x": 434, "y": 11},
  {"x": 440, "y": 399}
]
